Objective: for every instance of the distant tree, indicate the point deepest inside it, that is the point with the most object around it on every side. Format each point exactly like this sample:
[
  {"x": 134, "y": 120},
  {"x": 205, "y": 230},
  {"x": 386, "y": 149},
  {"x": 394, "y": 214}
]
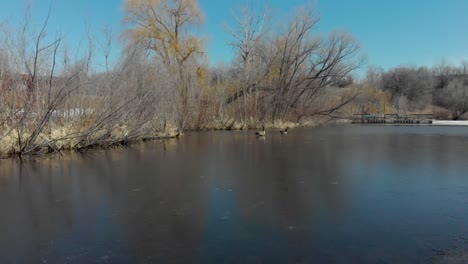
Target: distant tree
[
  {"x": 443, "y": 72},
  {"x": 343, "y": 82},
  {"x": 455, "y": 97},
  {"x": 464, "y": 67},
  {"x": 372, "y": 100},
  {"x": 415, "y": 84},
  {"x": 402, "y": 104},
  {"x": 374, "y": 76}
]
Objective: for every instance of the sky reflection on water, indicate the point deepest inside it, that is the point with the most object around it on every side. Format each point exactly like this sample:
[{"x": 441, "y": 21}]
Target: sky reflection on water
[{"x": 337, "y": 195}]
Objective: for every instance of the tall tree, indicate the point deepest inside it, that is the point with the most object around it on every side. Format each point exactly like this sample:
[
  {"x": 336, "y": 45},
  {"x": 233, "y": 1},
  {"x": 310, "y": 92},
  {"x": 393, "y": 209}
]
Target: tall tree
[
  {"x": 297, "y": 66},
  {"x": 249, "y": 33},
  {"x": 164, "y": 26}
]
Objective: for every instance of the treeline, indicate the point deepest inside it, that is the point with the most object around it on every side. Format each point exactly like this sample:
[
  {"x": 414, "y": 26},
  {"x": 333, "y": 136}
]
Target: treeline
[
  {"x": 53, "y": 99},
  {"x": 441, "y": 90}
]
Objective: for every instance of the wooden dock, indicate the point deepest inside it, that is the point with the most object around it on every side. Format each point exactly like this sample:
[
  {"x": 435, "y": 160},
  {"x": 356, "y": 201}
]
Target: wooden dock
[{"x": 393, "y": 119}]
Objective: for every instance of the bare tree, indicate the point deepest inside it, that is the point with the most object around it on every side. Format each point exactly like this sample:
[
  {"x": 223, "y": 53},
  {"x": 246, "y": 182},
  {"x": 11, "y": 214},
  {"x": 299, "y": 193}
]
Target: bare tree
[
  {"x": 163, "y": 26},
  {"x": 52, "y": 100},
  {"x": 374, "y": 76},
  {"x": 249, "y": 33},
  {"x": 297, "y": 67},
  {"x": 306, "y": 65},
  {"x": 455, "y": 97},
  {"x": 43, "y": 94},
  {"x": 415, "y": 84}
]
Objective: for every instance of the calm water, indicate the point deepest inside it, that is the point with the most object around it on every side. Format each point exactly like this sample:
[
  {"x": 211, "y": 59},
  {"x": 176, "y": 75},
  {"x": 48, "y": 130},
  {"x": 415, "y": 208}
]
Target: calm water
[{"x": 352, "y": 194}]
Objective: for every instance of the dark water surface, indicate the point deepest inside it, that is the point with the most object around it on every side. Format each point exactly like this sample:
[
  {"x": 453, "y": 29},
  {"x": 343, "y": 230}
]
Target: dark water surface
[{"x": 352, "y": 194}]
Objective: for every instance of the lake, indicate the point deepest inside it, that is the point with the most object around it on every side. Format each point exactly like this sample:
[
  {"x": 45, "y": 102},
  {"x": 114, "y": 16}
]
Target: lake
[{"x": 346, "y": 194}]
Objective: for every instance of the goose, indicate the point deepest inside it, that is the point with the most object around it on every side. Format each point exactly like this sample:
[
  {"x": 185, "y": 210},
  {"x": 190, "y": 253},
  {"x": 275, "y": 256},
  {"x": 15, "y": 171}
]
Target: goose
[
  {"x": 284, "y": 132},
  {"x": 178, "y": 133},
  {"x": 261, "y": 133}
]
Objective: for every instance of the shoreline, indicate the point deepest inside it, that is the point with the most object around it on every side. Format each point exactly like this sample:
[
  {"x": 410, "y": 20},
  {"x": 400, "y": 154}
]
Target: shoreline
[
  {"x": 45, "y": 151},
  {"x": 126, "y": 143}
]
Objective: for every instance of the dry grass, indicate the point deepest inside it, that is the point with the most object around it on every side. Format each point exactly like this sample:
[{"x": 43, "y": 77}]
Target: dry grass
[
  {"x": 170, "y": 131},
  {"x": 69, "y": 135},
  {"x": 229, "y": 123},
  {"x": 8, "y": 144}
]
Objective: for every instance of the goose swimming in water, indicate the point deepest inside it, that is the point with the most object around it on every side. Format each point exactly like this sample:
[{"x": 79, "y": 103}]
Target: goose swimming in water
[
  {"x": 261, "y": 133},
  {"x": 284, "y": 132},
  {"x": 178, "y": 133}
]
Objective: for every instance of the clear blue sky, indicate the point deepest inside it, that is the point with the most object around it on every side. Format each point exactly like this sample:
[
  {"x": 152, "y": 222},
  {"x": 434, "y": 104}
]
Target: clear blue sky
[{"x": 391, "y": 32}]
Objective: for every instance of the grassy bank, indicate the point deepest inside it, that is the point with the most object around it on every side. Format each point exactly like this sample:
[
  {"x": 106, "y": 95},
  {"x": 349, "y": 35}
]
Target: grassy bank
[
  {"x": 61, "y": 138},
  {"x": 73, "y": 137}
]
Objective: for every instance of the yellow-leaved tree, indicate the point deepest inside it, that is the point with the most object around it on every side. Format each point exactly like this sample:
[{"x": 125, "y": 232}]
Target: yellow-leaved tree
[{"x": 166, "y": 27}]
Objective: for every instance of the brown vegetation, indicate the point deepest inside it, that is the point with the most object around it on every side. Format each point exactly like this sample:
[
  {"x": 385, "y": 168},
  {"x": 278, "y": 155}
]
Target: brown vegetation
[
  {"x": 441, "y": 91},
  {"x": 161, "y": 84}
]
